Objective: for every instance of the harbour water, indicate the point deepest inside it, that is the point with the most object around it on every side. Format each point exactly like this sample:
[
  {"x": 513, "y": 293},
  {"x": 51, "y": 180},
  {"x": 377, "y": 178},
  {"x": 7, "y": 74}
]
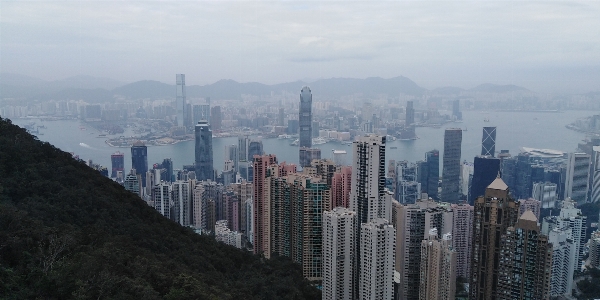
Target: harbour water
[{"x": 514, "y": 130}]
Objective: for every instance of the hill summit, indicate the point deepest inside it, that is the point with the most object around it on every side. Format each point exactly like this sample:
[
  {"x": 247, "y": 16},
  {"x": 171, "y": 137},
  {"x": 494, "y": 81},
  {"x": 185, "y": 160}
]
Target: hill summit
[{"x": 67, "y": 232}]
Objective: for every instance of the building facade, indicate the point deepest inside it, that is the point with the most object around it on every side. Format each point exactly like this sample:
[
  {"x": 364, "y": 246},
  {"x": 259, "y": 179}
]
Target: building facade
[
  {"x": 203, "y": 152},
  {"x": 377, "y": 250},
  {"x": 339, "y": 249},
  {"x": 438, "y": 267},
  {"x": 451, "y": 165}
]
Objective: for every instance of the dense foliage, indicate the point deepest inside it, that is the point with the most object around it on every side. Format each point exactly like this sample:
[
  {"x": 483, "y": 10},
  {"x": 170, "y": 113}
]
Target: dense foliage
[{"x": 66, "y": 232}]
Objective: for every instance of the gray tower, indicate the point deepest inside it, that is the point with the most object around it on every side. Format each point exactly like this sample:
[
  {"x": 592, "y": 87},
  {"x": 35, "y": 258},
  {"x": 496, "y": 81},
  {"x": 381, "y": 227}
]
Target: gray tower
[
  {"x": 451, "y": 167},
  {"x": 204, "y": 152},
  {"x": 305, "y": 118},
  {"x": 180, "y": 102},
  {"x": 410, "y": 114},
  {"x": 488, "y": 141}
]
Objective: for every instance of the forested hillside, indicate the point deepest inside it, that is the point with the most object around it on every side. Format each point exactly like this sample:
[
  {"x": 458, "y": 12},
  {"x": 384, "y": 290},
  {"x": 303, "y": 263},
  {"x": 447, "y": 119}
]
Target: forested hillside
[{"x": 66, "y": 232}]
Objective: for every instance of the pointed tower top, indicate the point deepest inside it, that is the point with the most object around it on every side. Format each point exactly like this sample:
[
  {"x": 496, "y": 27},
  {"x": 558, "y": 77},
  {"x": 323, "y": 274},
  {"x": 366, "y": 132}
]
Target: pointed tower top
[{"x": 498, "y": 184}]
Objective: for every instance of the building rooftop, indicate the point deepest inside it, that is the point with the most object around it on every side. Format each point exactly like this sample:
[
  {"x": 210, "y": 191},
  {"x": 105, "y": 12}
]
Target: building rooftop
[
  {"x": 139, "y": 143},
  {"x": 498, "y": 184}
]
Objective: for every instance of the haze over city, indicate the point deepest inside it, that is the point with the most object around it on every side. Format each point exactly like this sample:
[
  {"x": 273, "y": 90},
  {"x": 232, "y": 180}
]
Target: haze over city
[{"x": 543, "y": 46}]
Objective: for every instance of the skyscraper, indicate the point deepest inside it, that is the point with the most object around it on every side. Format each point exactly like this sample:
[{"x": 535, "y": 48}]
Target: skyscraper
[
  {"x": 432, "y": 159},
  {"x": 181, "y": 203},
  {"x": 308, "y": 154},
  {"x": 438, "y": 267},
  {"x": 341, "y": 184},
  {"x": 117, "y": 160},
  {"x": 216, "y": 118},
  {"x": 525, "y": 258},
  {"x": 451, "y": 168},
  {"x": 494, "y": 213},
  {"x": 139, "y": 160},
  {"x": 204, "y": 152},
  {"x": 133, "y": 183},
  {"x": 162, "y": 199},
  {"x": 255, "y": 147},
  {"x": 180, "y": 101},
  {"x": 595, "y": 198},
  {"x": 368, "y": 179},
  {"x": 410, "y": 114},
  {"x": 563, "y": 262},
  {"x": 231, "y": 153},
  {"x": 305, "y": 118},
  {"x": 377, "y": 250},
  {"x": 339, "y": 249},
  {"x": 488, "y": 141},
  {"x": 577, "y": 179},
  {"x": 462, "y": 236},
  {"x": 261, "y": 205},
  {"x": 485, "y": 170}
]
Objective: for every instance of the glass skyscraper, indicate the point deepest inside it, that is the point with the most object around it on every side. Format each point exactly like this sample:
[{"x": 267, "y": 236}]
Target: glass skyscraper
[
  {"x": 139, "y": 160},
  {"x": 305, "y": 118},
  {"x": 204, "y": 152},
  {"x": 451, "y": 168}
]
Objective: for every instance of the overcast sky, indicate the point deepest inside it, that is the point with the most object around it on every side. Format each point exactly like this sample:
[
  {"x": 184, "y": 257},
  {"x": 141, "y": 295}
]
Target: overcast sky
[{"x": 540, "y": 45}]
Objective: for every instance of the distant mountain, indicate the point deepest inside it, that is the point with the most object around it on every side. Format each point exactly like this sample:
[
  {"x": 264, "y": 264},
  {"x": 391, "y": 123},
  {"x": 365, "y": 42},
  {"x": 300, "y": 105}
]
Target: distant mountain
[
  {"x": 448, "y": 90},
  {"x": 12, "y": 79},
  {"x": 87, "y": 82},
  {"x": 146, "y": 89},
  {"x": 495, "y": 88},
  {"x": 67, "y": 232}
]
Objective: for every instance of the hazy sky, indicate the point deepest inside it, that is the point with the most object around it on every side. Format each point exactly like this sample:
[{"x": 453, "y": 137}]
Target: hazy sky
[{"x": 541, "y": 45}]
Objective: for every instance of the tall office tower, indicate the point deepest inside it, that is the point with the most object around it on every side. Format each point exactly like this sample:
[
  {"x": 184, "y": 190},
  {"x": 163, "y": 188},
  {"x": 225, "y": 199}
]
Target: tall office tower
[
  {"x": 139, "y": 160},
  {"x": 413, "y": 222},
  {"x": 255, "y": 147},
  {"x": 485, "y": 170},
  {"x": 261, "y": 204},
  {"x": 545, "y": 192},
  {"x": 162, "y": 199},
  {"x": 180, "y": 102},
  {"x": 433, "y": 173},
  {"x": 508, "y": 171},
  {"x": 368, "y": 179},
  {"x": 438, "y": 267},
  {"x": 456, "y": 109},
  {"x": 576, "y": 181},
  {"x": 451, "y": 170},
  {"x": 133, "y": 182},
  {"x": 488, "y": 141},
  {"x": 305, "y": 118},
  {"x": 376, "y": 273},
  {"x": 216, "y": 118},
  {"x": 530, "y": 204},
  {"x": 525, "y": 259},
  {"x": 204, "y": 152},
  {"x": 466, "y": 178},
  {"x": 595, "y": 197},
  {"x": 231, "y": 153},
  {"x": 341, "y": 184},
  {"x": 462, "y": 236},
  {"x": 523, "y": 183},
  {"x": 117, "y": 160},
  {"x": 494, "y": 213},
  {"x": 563, "y": 262},
  {"x": 181, "y": 203},
  {"x": 243, "y": 149},
  {"x": 595, "y": 249},
  {"x": 281, "y": 117},
  {"x": 339, "y": 242},
  {"x": 407, "y": 188},
  {"x": 410, "y": 114},
  {"x": 308, "y": 154}
]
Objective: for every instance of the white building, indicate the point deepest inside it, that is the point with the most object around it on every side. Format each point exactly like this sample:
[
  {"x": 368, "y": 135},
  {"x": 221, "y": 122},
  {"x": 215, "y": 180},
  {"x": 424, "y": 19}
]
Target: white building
[
  {"x": 563, "y": 261},
  {"x": 368, "y": 178},
  {"x": 577, "y": 178},
  {"x": 570, "y": 218},
  {"x": 181, "y": 202},
  {"x": 545, "y": 192},
  {"x": 594, "y": 245},
  {"x": 462, "y": 236},
  {"x": 596, "y": 176},
  {"x": 162, "y": 199},
  {"x": 339, "y": 249},
  {"x": 223, "y": 234},
  {"x": 377, "y": 250}
]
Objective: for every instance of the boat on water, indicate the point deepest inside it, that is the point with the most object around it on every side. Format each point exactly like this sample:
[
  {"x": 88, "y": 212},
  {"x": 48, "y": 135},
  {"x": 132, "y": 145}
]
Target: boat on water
[
  {"x": 319, "y": 141},
  {"x": 295, "y": 143},
  {"x": 284, "y": 136},
  {"x": 486, "y": 120}
]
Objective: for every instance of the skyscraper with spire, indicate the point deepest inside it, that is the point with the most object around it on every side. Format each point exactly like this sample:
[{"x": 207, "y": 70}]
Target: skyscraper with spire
[{"x": 180, "y": 102}]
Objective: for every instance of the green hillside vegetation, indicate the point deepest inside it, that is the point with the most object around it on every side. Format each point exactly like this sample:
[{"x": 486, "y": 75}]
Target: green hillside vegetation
[{"x": 66, "y": 232}]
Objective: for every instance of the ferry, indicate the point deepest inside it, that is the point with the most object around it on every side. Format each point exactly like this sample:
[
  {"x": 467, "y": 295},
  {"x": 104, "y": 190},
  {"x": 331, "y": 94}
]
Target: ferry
[
  {"x": 295, "y": 143},
  {"x": 319, "y": 141}
]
